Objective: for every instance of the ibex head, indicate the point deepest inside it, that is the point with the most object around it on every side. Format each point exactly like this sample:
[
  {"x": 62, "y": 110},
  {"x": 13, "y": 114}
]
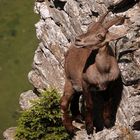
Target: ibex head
[{"x": 98, "y": 34}]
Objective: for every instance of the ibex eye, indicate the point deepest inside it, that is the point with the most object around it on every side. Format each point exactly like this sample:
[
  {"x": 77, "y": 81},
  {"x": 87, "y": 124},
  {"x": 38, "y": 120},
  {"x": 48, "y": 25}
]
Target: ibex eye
[{"x": 100, "y": 36}]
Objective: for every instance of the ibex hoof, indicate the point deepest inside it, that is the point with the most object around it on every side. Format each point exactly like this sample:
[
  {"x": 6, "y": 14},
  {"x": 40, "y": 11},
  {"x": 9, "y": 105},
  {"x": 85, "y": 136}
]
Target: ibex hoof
[
  {"x": 76, "y": 129},
  {"x": 72, "y": 130},
  {"x": 109, "y": 123},
  {"x": 79, "y": 118},
  {"x": 89, "y": 129}
]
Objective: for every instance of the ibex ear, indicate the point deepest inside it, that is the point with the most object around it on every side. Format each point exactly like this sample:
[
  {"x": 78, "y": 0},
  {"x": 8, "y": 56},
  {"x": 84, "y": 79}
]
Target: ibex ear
[
  {"x": 112, "y": 36},
  {"x": 95, "y": 25}
]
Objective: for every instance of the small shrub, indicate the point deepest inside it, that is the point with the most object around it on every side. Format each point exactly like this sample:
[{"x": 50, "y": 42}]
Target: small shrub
[{"x": 43, "y": 120}]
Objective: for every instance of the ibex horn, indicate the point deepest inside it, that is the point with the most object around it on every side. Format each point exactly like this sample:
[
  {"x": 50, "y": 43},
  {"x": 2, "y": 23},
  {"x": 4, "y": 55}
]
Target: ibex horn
[
  {"x": 101, "y": 19},
  {"x": 116, "y": 20}
]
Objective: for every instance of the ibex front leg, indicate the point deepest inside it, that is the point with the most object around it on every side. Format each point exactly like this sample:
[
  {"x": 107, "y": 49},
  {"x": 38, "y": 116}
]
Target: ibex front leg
[
  {"x": 89, "y": 109},
  {"x": 64, "y": 104}
]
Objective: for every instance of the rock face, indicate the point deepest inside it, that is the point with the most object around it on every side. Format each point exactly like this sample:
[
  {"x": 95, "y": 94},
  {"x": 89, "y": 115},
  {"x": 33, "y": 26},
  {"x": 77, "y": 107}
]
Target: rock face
[
  {"x": 26, "y": 98},
  {"x": 62, "y": 20},
  {"x": 9, "y": 133}
]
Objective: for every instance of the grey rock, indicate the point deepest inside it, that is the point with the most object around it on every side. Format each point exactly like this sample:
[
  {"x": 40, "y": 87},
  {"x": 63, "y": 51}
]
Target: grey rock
[
  {"x": 47, "y": 69},
  {"x": 118, "y": 132},
  {"x": 9, "y": 133},
  {"x": 42, "y": 9},
  {"x": 26, "y": 99},
  {"x": 137, "y": 57}
]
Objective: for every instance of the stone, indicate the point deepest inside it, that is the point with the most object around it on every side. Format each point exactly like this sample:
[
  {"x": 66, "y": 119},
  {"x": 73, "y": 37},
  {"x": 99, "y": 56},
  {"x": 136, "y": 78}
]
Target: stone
[
  {"x": 118, "y": 132},
  {"x": 9, "y": 133},
  {"x": 26, "y": 99}
]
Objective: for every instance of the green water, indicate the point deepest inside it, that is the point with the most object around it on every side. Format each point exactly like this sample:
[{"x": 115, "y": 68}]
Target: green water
[{"x": 17, "y": 45}]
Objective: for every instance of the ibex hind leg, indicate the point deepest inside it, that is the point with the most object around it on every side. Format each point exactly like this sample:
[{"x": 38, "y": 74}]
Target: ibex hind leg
[
  {"x": 109, "y": 120},
  {"x": 75, "y": 109},
  {"x": 110, "y": 110},
  {"x": 108, "y": 117},
  {"x": 64, "y": 105},
  {"x": 89, "y": 110}
]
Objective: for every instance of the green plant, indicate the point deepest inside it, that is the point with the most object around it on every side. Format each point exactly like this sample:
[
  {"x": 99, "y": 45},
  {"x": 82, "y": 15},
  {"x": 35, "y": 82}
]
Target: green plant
[{"x": 43, "y": 120}]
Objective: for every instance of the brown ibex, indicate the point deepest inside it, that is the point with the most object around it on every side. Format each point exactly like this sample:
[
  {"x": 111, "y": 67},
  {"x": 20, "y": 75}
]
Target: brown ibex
[
  {"x": 102, "y": 76},
  {"x": 81, "y": 75}
]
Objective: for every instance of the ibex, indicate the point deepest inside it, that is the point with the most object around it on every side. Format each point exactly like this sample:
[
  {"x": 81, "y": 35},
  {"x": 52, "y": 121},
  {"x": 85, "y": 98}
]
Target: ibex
[
  {"x": 96, "y": 74},
  {"x": 102, "y": 76}
]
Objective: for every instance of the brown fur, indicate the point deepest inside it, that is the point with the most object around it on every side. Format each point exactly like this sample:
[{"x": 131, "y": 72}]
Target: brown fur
[
  {"x": 103, "y": 70},
  {"x": 100, "y": 77},
  {"x": 80, "y": 75}
]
